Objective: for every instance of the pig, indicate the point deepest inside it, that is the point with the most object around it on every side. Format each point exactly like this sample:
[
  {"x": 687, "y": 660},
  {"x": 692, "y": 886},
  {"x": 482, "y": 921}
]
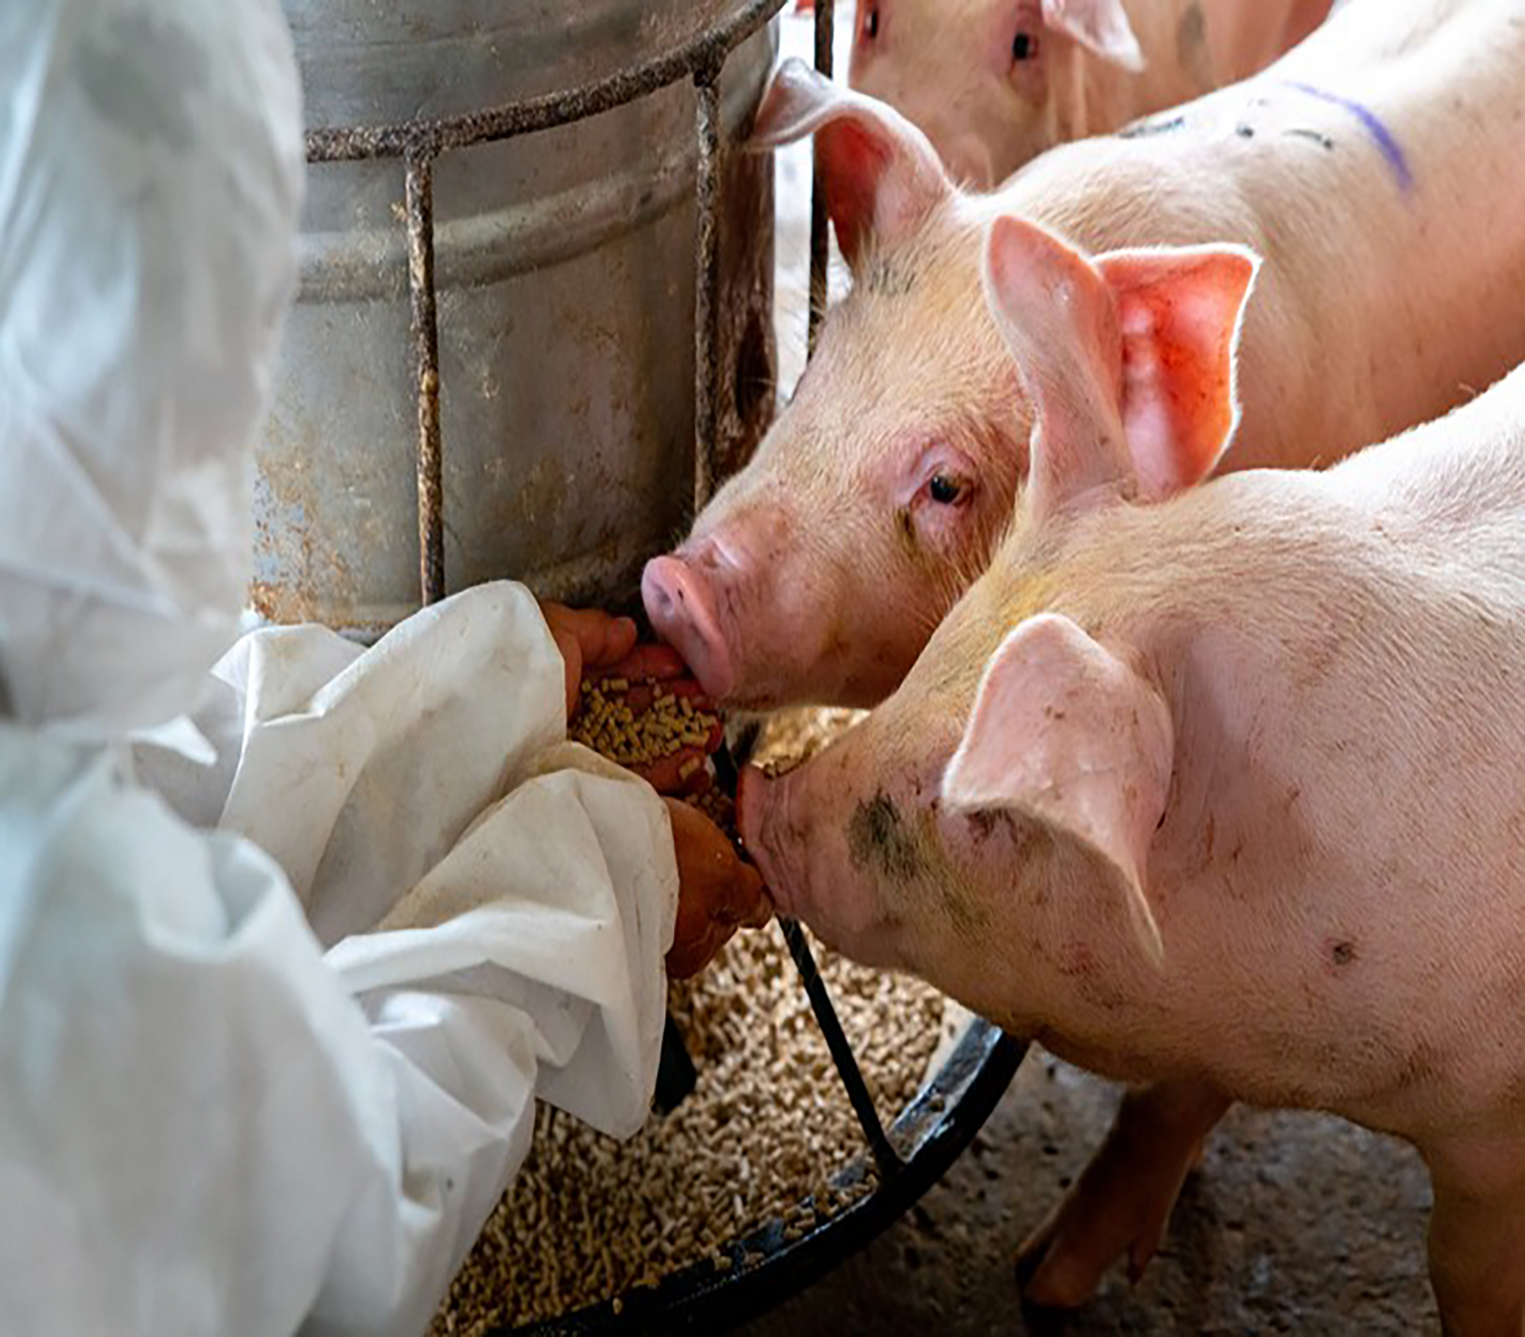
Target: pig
[
  {"x": 1376, "y": 169},
  {"x": 996, "y": 82},
  {"x": 1220, "y": 791}
]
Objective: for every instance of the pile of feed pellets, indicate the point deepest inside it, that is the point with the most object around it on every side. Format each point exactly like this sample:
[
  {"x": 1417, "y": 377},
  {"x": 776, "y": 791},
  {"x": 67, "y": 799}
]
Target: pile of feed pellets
[
  {"x": 607, "y": 723},
  {"x": 763, "y": 1131}
]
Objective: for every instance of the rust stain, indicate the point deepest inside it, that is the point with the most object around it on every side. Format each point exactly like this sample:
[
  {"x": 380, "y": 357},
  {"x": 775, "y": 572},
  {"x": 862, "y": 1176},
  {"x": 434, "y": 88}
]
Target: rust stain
[{"x": 325, "y": 573}]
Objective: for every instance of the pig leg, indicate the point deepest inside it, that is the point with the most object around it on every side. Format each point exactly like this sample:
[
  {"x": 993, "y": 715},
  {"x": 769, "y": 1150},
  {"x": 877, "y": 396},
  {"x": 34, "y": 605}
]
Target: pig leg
[
  {"x": 1123, "y": 1199},
  {"x": 1477, "y": 1260}
]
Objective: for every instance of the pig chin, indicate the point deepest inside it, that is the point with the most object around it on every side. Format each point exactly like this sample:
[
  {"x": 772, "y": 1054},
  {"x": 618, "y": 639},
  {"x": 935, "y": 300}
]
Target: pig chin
[
  {"x": 770, "y": 839},
  {"x": 788, "y": 828}
]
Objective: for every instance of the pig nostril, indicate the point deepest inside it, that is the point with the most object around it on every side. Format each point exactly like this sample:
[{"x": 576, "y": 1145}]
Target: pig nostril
[
  {"x": 661, "y": 590},
  {"x": 680, "y": 605}
]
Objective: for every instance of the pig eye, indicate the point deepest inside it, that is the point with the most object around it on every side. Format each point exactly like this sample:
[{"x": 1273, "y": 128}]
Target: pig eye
[
  {"x": 944, "y": 490},
  {"x": 1024, "y": 46},
  {"x": 871, "y": 22}
]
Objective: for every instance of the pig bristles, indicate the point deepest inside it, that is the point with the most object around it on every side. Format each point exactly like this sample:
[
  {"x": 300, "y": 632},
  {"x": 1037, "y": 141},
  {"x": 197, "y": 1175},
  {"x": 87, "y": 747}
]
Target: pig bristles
[
  {"x": 955, "y": 576},
  {"x": 839, "y": 280},
  {"x": 952, "y": 580}
]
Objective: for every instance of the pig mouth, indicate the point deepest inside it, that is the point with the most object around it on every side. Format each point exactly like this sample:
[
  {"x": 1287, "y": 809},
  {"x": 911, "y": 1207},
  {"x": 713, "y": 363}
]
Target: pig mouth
[{"x": 684, "y": 612}]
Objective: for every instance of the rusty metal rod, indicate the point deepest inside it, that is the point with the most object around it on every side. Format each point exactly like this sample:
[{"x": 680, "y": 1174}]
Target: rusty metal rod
[
  {"x": 706, "y": 50},
  {"x": 820, "y": 248},
  {"x": 707, "y": 290},
  {"x": 431, "y": 513}
]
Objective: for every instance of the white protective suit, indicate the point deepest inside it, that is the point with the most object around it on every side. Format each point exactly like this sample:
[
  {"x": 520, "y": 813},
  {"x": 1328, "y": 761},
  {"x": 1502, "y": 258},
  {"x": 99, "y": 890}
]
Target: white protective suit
[{"x": 271, "y": 1037}]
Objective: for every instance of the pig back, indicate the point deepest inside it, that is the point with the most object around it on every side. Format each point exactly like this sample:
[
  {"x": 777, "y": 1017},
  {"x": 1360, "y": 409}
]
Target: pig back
[
  {"x": 1375, "y": 170},
  {"x": 1341, "y": 653}
]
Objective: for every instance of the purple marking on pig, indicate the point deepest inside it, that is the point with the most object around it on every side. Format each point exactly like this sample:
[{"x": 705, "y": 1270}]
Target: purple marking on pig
[{"x": 1372, "y": 124}]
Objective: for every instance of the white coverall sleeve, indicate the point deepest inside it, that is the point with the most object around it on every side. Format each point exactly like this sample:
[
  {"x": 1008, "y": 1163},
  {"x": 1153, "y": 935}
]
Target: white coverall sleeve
[
  {"x": 200, "y": 1131},
  {"x": 499, "y": 901},
  {"x": 206, "y": 1127}
]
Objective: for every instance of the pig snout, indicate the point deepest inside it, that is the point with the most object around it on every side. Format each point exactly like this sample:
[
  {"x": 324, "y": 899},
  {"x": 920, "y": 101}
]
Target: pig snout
[
  {"x": 725, "y": 601},
  {"x": 767, "y": 613},
  {"x": 794, "y": 834},
  {"x": 681, "y": 602}
]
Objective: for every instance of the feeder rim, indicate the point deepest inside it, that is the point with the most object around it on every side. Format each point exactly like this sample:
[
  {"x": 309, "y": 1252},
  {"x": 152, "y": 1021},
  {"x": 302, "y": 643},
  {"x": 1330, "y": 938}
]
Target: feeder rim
[
  {"x": 765, "y": 1267},
  {"x": 700, "y": 57}
]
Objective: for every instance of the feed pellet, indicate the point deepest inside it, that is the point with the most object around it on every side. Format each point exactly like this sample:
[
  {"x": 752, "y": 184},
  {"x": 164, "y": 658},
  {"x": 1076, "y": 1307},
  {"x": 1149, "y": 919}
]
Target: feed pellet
[
  {"x": 607, "y": 723},
  {"x": 766, "y": 1127}
]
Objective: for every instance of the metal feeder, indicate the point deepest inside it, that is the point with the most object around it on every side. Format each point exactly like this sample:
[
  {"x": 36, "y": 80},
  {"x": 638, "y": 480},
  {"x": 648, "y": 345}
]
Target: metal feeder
[{"x": 900, "y": 1163}]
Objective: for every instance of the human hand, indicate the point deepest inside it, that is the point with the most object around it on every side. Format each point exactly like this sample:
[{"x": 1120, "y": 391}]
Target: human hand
[
  {"x": 588, "y": 639},
  {"x": 647, "y": 670},
  {"x": 717, "y": 892}
]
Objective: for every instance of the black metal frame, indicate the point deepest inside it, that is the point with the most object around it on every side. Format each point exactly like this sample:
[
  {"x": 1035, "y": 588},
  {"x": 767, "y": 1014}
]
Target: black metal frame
[
  {"x": 929, "y": 1134},
  {"x": 767, "y": 1268}
]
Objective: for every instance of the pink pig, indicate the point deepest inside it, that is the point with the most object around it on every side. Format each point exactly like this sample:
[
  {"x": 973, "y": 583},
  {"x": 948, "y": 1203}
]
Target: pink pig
[
  {"x": 1224, "y": 794},
  {"x": 996, "y": 82},
  {"x": 1378, "y": 170}
]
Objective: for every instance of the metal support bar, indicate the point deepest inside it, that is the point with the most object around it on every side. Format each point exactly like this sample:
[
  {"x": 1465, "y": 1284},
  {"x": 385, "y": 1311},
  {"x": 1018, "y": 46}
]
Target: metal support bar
[
  {"x": 884, "y": 1154},
  {"x": 431, "y": 517},
  {"x": 707, "y": 288},
  {"x": 819, "y": 236}
]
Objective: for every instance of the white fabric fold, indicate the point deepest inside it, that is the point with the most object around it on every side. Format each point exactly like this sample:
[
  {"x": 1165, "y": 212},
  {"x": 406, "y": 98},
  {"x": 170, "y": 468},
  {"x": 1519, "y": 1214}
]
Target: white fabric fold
[
  {"x": 223, "y": 1129},
  {"x": 207, "y": 1124},
  {"x": 150, "y": 177}
]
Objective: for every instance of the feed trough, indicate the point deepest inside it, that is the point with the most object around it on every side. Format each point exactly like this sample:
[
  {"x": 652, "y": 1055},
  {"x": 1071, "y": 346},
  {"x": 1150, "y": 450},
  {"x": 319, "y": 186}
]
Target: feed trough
[{"x": 330, "y": 533}]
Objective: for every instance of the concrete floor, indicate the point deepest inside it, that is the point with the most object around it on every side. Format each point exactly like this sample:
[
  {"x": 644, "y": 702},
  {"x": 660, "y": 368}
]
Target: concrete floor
[{"x": 1295, "y": 1223}]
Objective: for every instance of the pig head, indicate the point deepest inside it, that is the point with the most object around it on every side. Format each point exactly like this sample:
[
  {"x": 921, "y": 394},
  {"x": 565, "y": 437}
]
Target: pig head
[
  {"x": 1008, "y": 792},
  {"x": 1222, "y": 795},
  {"x": 993, "y": 83},
  {"x": 818, "y": 573}
]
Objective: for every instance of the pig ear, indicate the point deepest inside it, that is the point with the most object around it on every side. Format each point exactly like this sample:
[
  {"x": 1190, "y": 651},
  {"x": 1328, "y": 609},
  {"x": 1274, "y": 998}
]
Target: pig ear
[
  {"x": 1066, "y": 734},
  {"x": 1129, "y": 362},
  {"x": 1180, "y": 311},
  {"x": 1055, "y": 313},
  {"x": 881, "y": 175},
  {"x": 1100, "y": 26}
]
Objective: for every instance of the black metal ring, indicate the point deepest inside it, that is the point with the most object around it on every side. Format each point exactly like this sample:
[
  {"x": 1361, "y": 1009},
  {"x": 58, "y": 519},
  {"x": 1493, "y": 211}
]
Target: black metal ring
[{"x": 766, "y": 1268}]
